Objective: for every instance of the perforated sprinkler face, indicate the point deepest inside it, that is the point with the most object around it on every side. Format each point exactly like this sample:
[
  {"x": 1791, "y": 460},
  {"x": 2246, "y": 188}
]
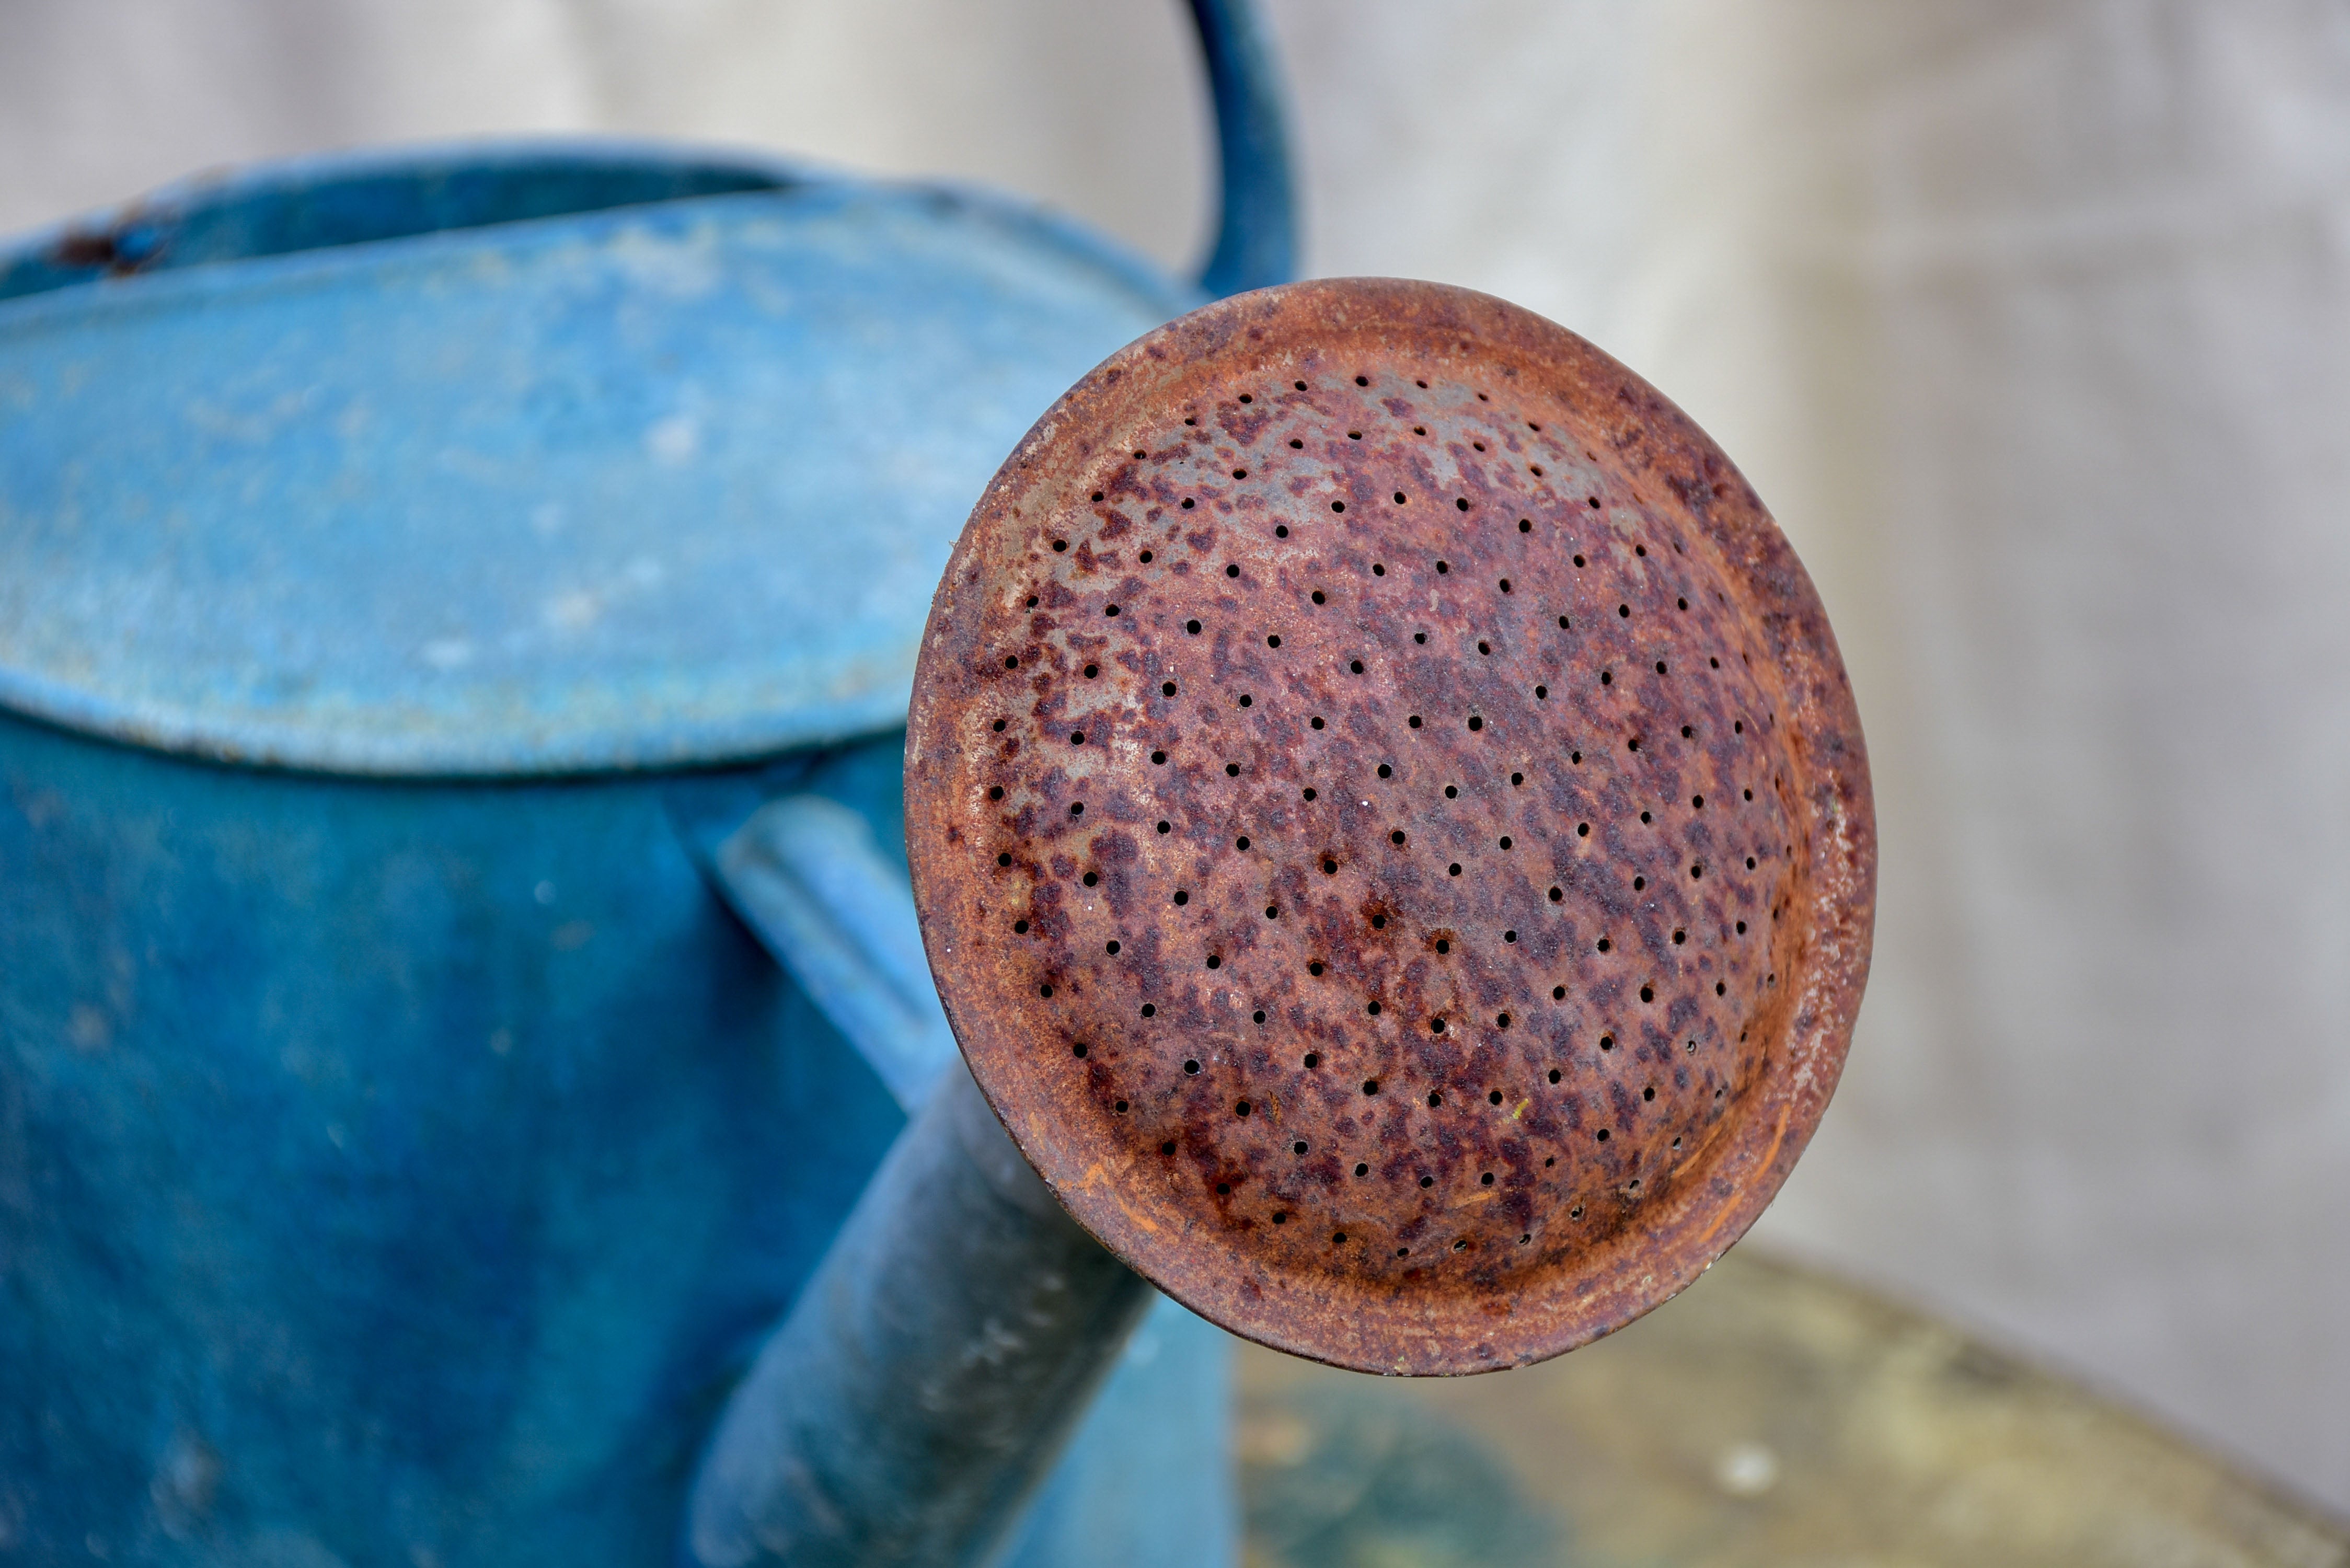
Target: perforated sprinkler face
[{"x": 1391, "y": 825}]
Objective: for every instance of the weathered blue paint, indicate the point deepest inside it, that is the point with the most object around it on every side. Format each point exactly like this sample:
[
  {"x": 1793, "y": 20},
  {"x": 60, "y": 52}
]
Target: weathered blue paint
[
  {"x": 357, "y": 198},
  {"x": 810, "y": 877},
  {"x": 1139, "y": 1485},
  {"x": 390, "y": 1168},
  {"x": 1256, "y": 233},
  {"x": 652, "y": 485},
  {"x": 945, "y": 1347},
  {"x": 402, "y": 1151}
]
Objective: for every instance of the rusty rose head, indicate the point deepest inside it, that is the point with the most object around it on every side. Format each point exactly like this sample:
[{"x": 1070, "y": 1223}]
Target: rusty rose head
[{"x": 1391, "y": 825}]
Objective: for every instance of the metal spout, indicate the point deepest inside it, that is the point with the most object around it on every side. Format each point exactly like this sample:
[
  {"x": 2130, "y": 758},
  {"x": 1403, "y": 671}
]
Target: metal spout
[{"x": 930, "y": 1373}]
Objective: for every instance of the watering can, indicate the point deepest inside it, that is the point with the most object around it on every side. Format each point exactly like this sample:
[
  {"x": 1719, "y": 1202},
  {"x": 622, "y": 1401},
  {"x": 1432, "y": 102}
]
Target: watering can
[
  {"x": 1390, "y": 851},
  {"x": 457, "y": 614}
]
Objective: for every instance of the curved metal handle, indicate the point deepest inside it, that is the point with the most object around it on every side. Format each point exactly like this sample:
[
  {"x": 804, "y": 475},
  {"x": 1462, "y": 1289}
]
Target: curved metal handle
[{"x": 1256, "y": 229}]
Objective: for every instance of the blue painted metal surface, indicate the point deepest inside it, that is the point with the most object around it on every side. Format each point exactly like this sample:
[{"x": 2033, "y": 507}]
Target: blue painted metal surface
[
  {"x": 646, "y": 486},
  {"x": 943, "y": 1351},
  {"x": 357, "y": 198},
  {"x": 402, "y": 1151},
  {"x": 812, "y": 879},
  {"x": 398, "y": 1172},
  {"x": 1256, "y": 232},
  {"x": 1143, "y": 1482}
]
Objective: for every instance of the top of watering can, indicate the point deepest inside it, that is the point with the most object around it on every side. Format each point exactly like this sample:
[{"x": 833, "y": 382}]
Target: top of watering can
[{"x": 543, "y": 458}]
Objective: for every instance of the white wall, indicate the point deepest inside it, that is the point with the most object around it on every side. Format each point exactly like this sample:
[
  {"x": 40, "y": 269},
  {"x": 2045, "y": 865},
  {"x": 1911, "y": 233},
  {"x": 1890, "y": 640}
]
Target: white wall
[{"x": 2032, "y": 320}]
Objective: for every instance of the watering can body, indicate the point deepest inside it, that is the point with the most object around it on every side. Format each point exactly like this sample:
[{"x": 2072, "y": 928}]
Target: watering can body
[
  {"x": 395, "y": 1171},
  {"x": 412, "y": 568}
]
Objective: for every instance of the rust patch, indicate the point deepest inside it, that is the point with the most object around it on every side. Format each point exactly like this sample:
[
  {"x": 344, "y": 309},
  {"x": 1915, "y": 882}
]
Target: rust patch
[
  {"x": 1428, "y": 847},
  {"x": 128, "y": 246}
]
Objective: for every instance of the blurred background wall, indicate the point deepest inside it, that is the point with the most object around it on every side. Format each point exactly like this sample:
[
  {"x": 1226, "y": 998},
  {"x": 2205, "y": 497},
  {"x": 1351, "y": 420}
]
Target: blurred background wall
[{"x": 2029, "y": 318}]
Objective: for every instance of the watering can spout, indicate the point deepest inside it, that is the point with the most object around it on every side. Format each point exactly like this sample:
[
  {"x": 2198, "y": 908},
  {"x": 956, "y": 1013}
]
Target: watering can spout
[
  {"x": 949, "y": 1342},
  {"x": 928, "y": 1375},
  {"x": 1152, "y": 1011}
]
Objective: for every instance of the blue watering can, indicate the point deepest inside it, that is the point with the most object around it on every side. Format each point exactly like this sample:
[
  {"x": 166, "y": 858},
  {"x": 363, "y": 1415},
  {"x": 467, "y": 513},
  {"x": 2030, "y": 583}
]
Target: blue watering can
[{"x": 457, "y": 611}]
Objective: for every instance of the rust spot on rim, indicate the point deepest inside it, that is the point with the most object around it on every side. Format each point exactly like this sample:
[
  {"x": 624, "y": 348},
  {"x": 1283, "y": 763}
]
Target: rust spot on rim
[
  {"x": 130, "y": 244},
  {"x": 1462, "y": 890}
]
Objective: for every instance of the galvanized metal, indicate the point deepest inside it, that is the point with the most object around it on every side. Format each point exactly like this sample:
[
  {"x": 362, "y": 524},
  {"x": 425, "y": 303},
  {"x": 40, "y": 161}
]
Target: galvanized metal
[{"x": 1391, "y": 825}]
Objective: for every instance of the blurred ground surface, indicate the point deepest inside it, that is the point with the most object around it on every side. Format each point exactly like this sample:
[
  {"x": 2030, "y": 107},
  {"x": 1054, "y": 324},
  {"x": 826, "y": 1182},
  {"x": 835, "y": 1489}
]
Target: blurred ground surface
[{"x": 1768, "y": 1415}]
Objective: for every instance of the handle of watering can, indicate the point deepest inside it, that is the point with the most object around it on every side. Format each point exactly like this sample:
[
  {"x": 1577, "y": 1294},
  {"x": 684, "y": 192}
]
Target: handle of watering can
[{"x": 1256, "y": 225}]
